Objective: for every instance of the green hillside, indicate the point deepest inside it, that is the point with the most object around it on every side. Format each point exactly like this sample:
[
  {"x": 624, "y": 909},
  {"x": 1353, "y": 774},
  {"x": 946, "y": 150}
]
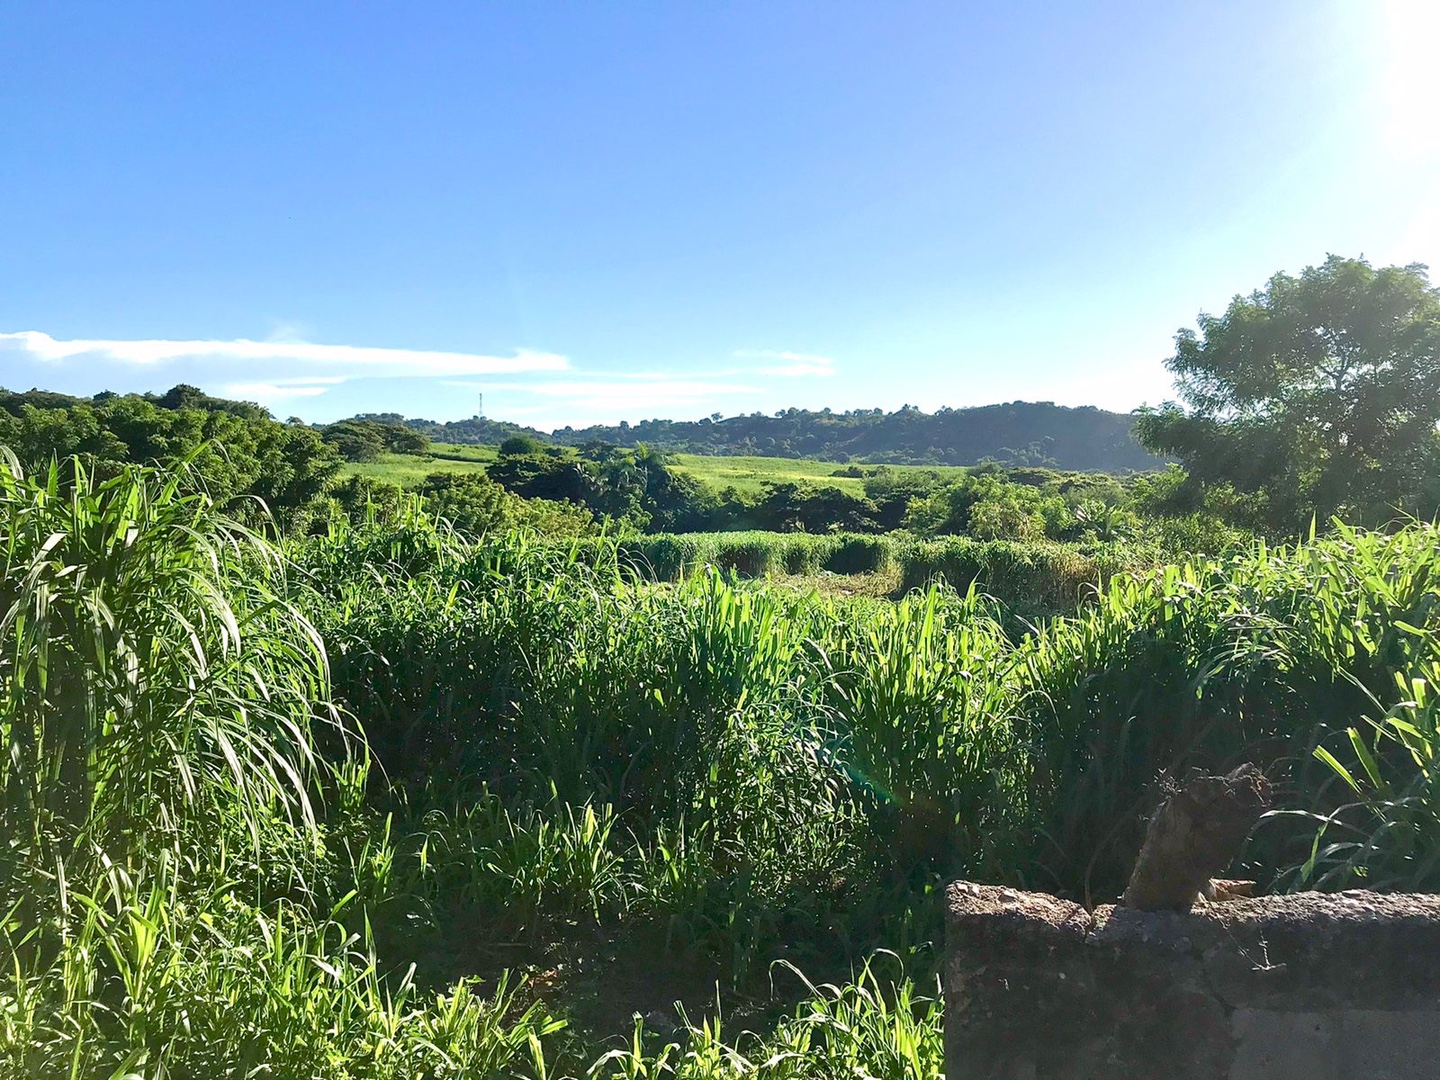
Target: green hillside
[
  {"x": 1019, "y": 433},
  {"x": 408, "y": 470},
  {"x": 747, "y": 475}
]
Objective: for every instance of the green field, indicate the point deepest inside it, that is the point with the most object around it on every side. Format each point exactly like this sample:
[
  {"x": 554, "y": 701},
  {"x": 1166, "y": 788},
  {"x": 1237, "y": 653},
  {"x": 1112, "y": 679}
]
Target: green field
[
  {"x": 462, "y": 452},
  {"x": 747, "y": 475},
  {"x": 408, "y": 470}
]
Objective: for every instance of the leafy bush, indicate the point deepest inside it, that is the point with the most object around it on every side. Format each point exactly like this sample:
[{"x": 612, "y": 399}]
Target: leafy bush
[
  {"x": 366, "y": 440},
  {"x": 1036, "y": 579},
  {"x": 475, "y": 505},
  {"x": 859, "y": 555}
]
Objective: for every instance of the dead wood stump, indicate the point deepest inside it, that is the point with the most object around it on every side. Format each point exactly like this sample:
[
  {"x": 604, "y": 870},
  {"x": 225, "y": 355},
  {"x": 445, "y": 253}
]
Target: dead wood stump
[{"x": 1194, "y": 835}]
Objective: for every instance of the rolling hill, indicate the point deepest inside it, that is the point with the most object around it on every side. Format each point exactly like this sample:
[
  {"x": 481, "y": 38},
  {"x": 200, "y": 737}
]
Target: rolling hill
[{"x": 1017, "y": 433}]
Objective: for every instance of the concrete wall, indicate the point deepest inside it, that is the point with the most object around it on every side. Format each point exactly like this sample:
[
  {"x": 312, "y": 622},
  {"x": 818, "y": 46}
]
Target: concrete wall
[{"x": 1312, "y": 986}]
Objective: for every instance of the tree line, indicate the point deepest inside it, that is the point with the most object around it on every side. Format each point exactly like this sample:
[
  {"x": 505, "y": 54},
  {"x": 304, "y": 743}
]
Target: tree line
[
  {"x": 1018, "y": 433},
  {"x": 640, "y": 489},
  {"x": 1316, "y": 396},
  {"x": 254, "y": 467},
  {"x": 245, "y": 460}
]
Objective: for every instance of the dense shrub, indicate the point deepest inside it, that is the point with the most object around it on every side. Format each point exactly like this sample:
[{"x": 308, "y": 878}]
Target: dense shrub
[
  {"x": 1035, "y": 578},
  {"x": 859, "y": 555}
]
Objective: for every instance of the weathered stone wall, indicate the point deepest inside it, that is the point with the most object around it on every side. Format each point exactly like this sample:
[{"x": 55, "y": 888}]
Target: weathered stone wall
[{"x": 1303, "y": 987}]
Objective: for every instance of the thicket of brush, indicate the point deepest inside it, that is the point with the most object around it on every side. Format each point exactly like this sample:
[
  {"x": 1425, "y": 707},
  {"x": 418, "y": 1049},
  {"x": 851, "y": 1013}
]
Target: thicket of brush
[
  {"x": 1033, "y": 578},
  {"x": 262, "y": 811}
]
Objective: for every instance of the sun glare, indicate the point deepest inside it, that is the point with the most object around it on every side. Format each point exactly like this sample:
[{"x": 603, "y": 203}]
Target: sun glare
[{"x": 1411, "y": 76}]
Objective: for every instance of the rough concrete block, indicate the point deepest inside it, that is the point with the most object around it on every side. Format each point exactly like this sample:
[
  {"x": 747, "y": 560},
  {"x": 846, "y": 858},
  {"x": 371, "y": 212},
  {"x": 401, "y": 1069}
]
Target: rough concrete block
[{"x": 1326, "y": 987}]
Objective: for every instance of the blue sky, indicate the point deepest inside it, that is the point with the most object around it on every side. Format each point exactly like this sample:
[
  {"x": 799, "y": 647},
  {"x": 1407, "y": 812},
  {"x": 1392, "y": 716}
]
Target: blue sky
[{"x": 601, "y": 211}]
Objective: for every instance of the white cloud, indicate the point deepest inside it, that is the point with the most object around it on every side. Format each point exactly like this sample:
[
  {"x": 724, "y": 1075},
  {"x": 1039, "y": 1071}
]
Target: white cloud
[
  {"x": 264, "y": 393},
  {"x": 355, "y": 360},
  {"x": 796, "y": 365},
  {"x": 639, "y": 392},
  {"x": 275, "y": 372}
]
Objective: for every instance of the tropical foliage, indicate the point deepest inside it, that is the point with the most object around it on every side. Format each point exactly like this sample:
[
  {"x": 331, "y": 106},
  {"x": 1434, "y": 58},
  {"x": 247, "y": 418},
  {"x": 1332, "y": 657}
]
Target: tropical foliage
[
  {"x": 389, "y": 802},
  {"x": 1315, "y": 396}
]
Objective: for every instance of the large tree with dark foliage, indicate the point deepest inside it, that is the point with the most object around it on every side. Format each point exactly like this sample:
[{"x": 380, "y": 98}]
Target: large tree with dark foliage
[
  {"x": 234, "y": 450},
  {"x": 366, "y": 440},
  {"x": 1315, "y": 396}
]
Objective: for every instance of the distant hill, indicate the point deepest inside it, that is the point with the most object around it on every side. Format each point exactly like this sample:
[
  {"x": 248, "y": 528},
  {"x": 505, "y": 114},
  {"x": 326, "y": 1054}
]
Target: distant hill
[{"x": 1018, "y": 433}]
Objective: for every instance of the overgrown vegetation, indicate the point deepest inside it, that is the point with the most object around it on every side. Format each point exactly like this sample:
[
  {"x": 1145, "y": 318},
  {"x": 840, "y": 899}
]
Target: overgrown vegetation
[
  {"x": 245, "y": 460},
  {"x": 390, "y": 802},
  {"x": 258, "y": 470},
  {"x": 526, "y": 770},
  {"x": 642, "y": 490},
  {"x": 1019, "y": 433},
  {"x": 300, "y": 478}
]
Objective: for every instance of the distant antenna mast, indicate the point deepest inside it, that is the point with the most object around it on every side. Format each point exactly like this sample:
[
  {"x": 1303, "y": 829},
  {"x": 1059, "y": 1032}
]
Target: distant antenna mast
[{"x": 481, "y": 408}]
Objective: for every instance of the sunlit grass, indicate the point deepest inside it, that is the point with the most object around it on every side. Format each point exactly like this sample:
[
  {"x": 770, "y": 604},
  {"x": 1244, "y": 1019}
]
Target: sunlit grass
[
  {"x": 206, "y": 871},
  {"x": 408, "y": 470},
  {"x": 748, "y": 475}
]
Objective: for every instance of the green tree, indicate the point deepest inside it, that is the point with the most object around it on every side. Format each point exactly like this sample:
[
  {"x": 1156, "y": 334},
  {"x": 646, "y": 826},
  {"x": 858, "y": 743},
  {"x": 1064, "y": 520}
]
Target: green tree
[
  {"x": 360, "y": 439},
  {"x": 791, "y": 507},
  {"x": 517, "y": 445},
  {"x": 356, "y": 440},
  {"x": 235, "y": 454},
  {"x": 474, "y": 504},
  {"x": 543, "y": 476},
  {"x": 893, "y": 491},
  {"x": 404, "y": 440},
  {"x": 1316, "y": 395}
]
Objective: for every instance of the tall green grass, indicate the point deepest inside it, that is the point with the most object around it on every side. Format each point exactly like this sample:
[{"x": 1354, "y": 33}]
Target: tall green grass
[
  {"x": 1048, "y": 748},
  {"x": 1035, "y": 578},
  {"x": 1270, "y": 655},
  {"x": 149, "y": 979},
  {"x": 1386, "y": 831},
  {"x": 875, "y": 1026},
  {"x": 311, "y": 811},
  {"x": 162, "y": 707},
  {"x": 153, "y": 673}
]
